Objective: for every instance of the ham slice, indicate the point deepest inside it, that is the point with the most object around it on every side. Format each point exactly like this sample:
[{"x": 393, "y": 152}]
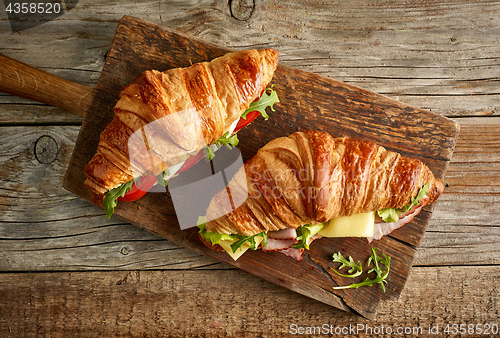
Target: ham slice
[
  {"x": 274, "y": 244},
  {"x": 382, "y": 228},
  {"x": 294, "y": 253},
  {"x": 283, "y": 241},
  {"x": 288, "y": 233},
  {"x": 297, "y": 253}
]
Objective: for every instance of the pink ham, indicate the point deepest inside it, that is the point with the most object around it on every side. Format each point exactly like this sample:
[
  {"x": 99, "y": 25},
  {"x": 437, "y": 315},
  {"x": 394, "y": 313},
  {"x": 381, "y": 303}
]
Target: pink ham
[
  {"x": 297, "y": 253},
  {"x": 289, "y": 233},
  {"x": 382, "y": 228},
  {"x": 274, "y": 244},
  {"x": 294, "y": 253}
]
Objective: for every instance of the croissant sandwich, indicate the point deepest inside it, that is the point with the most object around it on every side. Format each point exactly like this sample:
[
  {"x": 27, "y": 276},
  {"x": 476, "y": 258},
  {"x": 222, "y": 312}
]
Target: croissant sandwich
[
  {"x": 164, "y": 122},
  {"x": 299, "y": 188}
]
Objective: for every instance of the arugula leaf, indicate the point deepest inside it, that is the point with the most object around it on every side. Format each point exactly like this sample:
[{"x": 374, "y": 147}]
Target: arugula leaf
[
  {"x": 347, "y": 263},
  {"x": 391, "y": 215},
  {"x": 382, "y": 272},
  {"x": 305, "y": 232},
  {"x": 229, "y": 142},
  {"x": 112, "y": 195},
  {"x": 210, "y": 236},
  {"x": 266, "y": 100},
  {"x": 253, "y": 244},
  {"x": 415, "y": 200}
]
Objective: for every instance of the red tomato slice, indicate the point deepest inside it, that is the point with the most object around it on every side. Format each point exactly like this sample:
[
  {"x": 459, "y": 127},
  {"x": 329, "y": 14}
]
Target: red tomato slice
[
  {"x": 245, "y": 122},
  {"x": 146, "y": 183},
  {"x": 191, "y": 161}
]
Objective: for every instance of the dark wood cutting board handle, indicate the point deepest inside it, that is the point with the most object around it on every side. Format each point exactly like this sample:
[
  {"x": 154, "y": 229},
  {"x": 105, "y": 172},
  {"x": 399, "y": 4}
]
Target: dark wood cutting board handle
[{"x": 20, "y": 79}]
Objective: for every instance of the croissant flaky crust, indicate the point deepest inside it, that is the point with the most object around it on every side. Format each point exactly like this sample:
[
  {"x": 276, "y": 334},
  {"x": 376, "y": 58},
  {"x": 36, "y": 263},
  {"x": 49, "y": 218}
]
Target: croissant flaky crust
[
  {"x": 163, "y": 118},
  {"x": 311, "y": 177}
]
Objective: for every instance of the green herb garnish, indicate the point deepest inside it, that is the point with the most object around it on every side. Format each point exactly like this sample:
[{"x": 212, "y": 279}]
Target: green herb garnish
[
  {"x": 415, "y": 200},
  {"x": 208, "y": 153},
  {"x": 355, "y": 269},
  {"x": 229, "y": 142},
  {"x": 381, "y": 268},
  {"x": 161, "y": 178}
]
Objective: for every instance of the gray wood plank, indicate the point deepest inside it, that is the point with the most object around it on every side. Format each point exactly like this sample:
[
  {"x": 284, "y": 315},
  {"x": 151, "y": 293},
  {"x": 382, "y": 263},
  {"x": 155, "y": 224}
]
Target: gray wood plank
[
  {"x": 66, "y": 233},
  {"x": 426, "y": 55},
  {"x": 441, "y": 56},
  {"x": 232, "y": 303},
  {"x": 44, "y": 227}
]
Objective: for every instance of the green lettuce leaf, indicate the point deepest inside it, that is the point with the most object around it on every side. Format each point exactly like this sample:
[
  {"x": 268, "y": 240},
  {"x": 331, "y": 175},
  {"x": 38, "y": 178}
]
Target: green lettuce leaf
[
  {"x": 110, "y": 201},
  {"x": 266, "y": 100},
  {"x": 305, "y": 232},
  {"x": 391, "y": 215},
  {"x": 215, "y": 238},
  {"x": 210, "y": 236}
]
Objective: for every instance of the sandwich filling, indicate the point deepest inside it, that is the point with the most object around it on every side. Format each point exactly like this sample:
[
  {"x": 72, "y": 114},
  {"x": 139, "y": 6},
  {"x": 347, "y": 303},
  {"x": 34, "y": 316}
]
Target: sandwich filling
[{"x": 292, "y": 242}]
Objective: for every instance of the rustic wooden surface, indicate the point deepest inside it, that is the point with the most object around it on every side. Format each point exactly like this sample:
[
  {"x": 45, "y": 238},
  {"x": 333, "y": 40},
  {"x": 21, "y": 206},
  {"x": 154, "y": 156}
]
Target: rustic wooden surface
[
  {"x": 333, "y": 106},
  {"x": 63, "y": 264}
]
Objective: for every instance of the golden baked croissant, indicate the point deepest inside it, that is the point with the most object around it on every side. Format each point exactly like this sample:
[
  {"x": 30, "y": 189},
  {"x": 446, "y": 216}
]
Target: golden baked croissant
[
  {"x": 310, "y": 178},
  {"x": 161, "y": 119}
]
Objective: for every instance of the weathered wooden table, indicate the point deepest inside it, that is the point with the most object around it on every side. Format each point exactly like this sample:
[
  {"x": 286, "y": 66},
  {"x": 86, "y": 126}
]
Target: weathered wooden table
[{"x": 65, "y": 270}]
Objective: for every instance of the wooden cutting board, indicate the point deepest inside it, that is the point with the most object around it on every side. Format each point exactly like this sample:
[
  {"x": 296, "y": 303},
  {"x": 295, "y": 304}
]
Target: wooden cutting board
[{"x": 308, "y": 101}]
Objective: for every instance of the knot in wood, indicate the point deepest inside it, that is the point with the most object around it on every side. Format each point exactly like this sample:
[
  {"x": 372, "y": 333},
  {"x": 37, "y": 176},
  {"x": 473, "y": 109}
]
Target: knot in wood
[
  {"x": 46, "y": 149},
  {"x": 241, "y": 9}
]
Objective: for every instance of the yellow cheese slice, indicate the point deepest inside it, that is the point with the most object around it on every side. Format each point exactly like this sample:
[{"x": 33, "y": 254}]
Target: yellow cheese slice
[
  {"x": 359, "y": 225},
  {"x": 226, "y": 245}
]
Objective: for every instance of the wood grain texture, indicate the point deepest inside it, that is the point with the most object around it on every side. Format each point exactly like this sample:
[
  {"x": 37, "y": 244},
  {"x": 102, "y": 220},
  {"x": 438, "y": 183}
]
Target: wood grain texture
[
  {"x": 20, "y": 79},
  {"x": 429, "y": 55},
  {"x": 214, "y": 304},
  {"x": 441, "y": 56},
  {"x": 46, "y": 228},
  {"x": 335, "y": 107}
]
